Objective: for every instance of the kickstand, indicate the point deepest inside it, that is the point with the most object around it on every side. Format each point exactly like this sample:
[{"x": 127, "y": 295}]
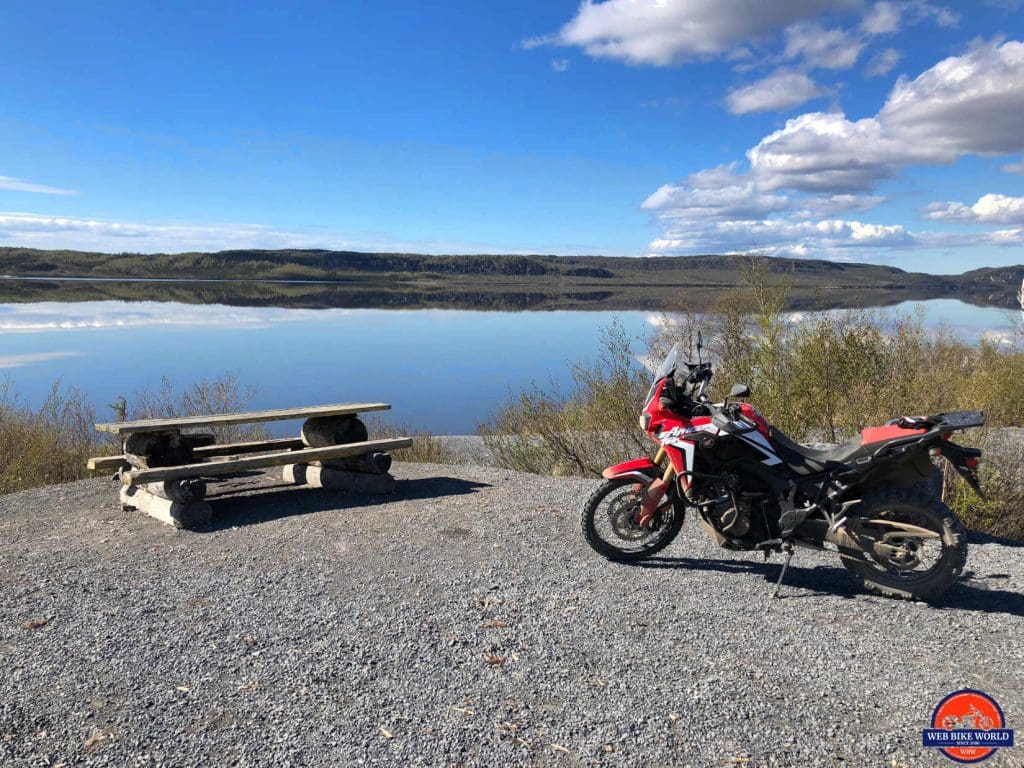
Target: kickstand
[{"x": 782, "y": 575}]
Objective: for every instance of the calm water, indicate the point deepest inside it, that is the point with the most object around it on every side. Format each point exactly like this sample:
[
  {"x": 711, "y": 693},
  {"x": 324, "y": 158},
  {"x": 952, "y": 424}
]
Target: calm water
[{"x": 442, "y": 370}]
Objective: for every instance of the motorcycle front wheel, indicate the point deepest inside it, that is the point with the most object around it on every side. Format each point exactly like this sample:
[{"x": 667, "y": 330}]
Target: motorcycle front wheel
[{"x": 610, "y": 527}]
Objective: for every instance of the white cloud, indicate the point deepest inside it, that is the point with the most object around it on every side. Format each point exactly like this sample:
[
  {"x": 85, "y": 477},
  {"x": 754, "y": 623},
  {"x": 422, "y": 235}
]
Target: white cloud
[
  {"x": 34, "y": 230},
  {"x": 664, "y": 32},
  {"x": 920, "y": 10},
  {"x": 820, "y": 166},
  {"x": 717, "y": 193},
  {"x": 52, "y": 316},
  {"x": 30, "y": 358},
  {"x": 990, "y": 209},
  {"x": 883, "y": 62},
  {"x": 825, "y": 152},
  {"x": 20, "y": 185},
  {"x": 828, "y": 238},
  {"x": 969, "y": 104},
  {"x": 1014, "y": 167},
  {"x": 560, "y": 65},
  {"x": 882, "y": 19},
  {"x": 836, "y": 239},
  {"x": 783, "y": 89},
  {"x": 822, "y": 48},
  {"x": 827, "y": 206}
]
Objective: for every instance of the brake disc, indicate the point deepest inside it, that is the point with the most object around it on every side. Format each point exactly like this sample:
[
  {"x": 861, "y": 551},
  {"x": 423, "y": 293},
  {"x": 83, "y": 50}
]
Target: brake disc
[{"x": 623, "y": 516}]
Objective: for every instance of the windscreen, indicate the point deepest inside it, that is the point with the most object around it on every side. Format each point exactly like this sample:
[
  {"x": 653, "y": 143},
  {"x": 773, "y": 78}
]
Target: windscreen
[
  {"x": 668, "y": 365},
  {"x": 670, "y": 362}
]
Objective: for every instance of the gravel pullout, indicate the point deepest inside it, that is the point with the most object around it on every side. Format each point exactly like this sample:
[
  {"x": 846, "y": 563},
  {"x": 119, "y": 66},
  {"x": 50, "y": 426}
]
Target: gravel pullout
[{"x": 463, "y": 621}]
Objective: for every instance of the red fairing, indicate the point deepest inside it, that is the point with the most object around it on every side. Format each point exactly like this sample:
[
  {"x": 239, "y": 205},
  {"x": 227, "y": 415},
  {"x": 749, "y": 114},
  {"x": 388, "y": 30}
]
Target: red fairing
[
  {"x": 751, "y": 413},
  {"x": 636, "y": 465},
  {"x": 881, "y": 434}
]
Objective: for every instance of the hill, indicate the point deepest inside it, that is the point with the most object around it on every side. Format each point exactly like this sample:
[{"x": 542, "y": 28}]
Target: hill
[{"x": 506, "y": 281}]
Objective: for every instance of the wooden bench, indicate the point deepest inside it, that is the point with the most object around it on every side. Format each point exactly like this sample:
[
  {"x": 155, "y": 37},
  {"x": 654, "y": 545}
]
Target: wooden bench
[{"x": 164, "y": 467}]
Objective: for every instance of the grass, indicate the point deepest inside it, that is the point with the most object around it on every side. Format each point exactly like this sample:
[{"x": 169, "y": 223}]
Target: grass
[
  {"x": 44, "y": 445},
  {"x": 817, "y": 377}
]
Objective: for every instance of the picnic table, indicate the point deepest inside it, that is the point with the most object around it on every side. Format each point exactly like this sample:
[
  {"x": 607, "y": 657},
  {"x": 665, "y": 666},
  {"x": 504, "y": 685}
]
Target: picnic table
[{"x": 166, "y": 463}]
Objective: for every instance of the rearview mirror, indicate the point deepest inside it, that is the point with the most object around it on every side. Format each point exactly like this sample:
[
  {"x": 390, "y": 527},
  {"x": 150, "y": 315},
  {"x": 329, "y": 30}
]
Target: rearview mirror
[{"x": 739, "y": 390}]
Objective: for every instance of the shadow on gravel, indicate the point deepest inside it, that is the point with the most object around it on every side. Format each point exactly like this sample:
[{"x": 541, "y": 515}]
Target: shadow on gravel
[
  {"x": 972, "y": 593},
  {"x": 978, "y": 537},
  {"x": 272, "y": 502},
  {"x": 821, "y": 580}
]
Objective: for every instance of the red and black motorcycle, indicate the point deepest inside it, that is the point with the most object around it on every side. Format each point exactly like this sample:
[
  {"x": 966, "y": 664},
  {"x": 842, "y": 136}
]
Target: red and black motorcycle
[{"x": 752, "y": 488}]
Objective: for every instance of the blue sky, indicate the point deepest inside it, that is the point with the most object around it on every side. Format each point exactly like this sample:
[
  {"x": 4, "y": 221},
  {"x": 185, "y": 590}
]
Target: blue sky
[{"x": 865, "y": 131}]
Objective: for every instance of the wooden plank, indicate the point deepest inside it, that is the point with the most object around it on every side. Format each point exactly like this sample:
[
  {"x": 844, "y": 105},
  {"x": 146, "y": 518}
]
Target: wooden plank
[
  {"x": 227, "y": 419},
  {"x": 255, "y": 446},
  {"x": 206, "y": 451},
  {"x": 305, "y": 456},
  {"x": 107, "y": 462}
]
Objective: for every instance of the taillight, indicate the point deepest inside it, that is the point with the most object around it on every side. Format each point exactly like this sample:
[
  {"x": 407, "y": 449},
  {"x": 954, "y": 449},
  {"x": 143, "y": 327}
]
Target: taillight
[
  {"x": 971, "y": 462},
  {"x": 947, "y": 435}
]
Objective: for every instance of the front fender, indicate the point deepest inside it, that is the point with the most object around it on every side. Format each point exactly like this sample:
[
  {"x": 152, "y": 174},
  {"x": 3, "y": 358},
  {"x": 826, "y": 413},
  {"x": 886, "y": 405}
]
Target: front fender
[{"x": 642, "y": 470}]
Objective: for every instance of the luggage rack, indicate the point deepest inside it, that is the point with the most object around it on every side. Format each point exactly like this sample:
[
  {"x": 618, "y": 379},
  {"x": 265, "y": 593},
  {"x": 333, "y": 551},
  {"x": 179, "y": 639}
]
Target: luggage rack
[{"x": 960, "y": 419}]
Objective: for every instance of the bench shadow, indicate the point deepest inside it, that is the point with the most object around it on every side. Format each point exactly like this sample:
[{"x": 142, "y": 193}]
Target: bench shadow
[
  {"x": 279, "y": 500},
  {"x": 970, "y": 593}
]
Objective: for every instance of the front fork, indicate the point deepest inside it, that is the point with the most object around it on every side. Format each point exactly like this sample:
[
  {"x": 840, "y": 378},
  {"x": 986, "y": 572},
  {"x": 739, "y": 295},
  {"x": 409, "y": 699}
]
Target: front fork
[{"x": 652, "y": 494}]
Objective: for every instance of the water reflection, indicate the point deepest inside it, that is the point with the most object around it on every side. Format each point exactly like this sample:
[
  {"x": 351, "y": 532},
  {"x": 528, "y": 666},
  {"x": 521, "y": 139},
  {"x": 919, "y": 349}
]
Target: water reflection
[{"x": 444, "y": 370}]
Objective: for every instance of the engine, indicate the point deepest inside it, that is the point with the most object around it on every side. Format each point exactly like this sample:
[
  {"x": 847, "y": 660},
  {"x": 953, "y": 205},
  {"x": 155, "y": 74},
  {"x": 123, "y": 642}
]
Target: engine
[{"x": 736, "y": 514}]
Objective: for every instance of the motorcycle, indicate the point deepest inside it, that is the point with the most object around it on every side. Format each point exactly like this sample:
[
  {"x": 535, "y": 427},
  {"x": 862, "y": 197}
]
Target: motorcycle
[{"x": 754, "y": 489}]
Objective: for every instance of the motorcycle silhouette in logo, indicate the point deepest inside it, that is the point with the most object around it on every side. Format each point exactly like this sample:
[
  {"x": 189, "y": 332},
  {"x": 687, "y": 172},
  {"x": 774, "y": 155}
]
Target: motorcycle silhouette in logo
[{"x": 973, "y": 718}]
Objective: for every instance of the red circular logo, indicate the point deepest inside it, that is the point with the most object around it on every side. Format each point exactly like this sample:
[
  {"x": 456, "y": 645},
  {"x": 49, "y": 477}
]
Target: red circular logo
[{"x": 968, "y": 711}]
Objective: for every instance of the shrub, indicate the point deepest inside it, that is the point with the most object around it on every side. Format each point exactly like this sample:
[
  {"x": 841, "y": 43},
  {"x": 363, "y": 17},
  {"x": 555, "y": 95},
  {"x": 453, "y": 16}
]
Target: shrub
[
  {"x": 223, "y": 394},
  {"x": 46, "y": 445}
]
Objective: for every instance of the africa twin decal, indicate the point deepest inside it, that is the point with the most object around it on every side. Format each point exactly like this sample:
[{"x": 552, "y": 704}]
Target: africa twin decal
[{"x": 676, "y": 438}]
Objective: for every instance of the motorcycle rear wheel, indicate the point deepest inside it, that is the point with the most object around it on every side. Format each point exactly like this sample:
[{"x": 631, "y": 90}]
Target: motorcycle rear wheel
[
  {"x": 609, "y": 522},
  {"x": 900, "y": 577}
]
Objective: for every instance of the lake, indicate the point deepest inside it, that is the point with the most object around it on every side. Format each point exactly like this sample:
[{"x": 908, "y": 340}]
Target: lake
[{"x": 443, "y": 370}]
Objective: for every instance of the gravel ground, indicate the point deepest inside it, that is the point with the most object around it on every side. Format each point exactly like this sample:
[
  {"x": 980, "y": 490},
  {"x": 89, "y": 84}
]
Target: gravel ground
[{"x": 463, "y": 621}]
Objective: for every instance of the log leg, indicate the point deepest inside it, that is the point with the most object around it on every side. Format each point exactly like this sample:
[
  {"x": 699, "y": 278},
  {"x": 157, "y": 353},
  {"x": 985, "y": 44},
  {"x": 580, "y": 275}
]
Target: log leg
[
  {"x": 294, "y": 473},
  {"x": 322, "y": 431},
  {"x": 180, "y": 514},
  {"x": 316, "y": 476}
]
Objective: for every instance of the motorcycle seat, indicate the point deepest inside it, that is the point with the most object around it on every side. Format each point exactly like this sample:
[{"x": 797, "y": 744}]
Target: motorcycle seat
[{"x": 806, "y": 459}]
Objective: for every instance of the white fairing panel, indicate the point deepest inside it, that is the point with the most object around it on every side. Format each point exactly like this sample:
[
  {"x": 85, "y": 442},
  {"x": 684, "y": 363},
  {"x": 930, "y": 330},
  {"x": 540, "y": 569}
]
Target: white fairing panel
[
  {"x": 675, "y": 438},
  {"x": 758, "y": 440}
]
